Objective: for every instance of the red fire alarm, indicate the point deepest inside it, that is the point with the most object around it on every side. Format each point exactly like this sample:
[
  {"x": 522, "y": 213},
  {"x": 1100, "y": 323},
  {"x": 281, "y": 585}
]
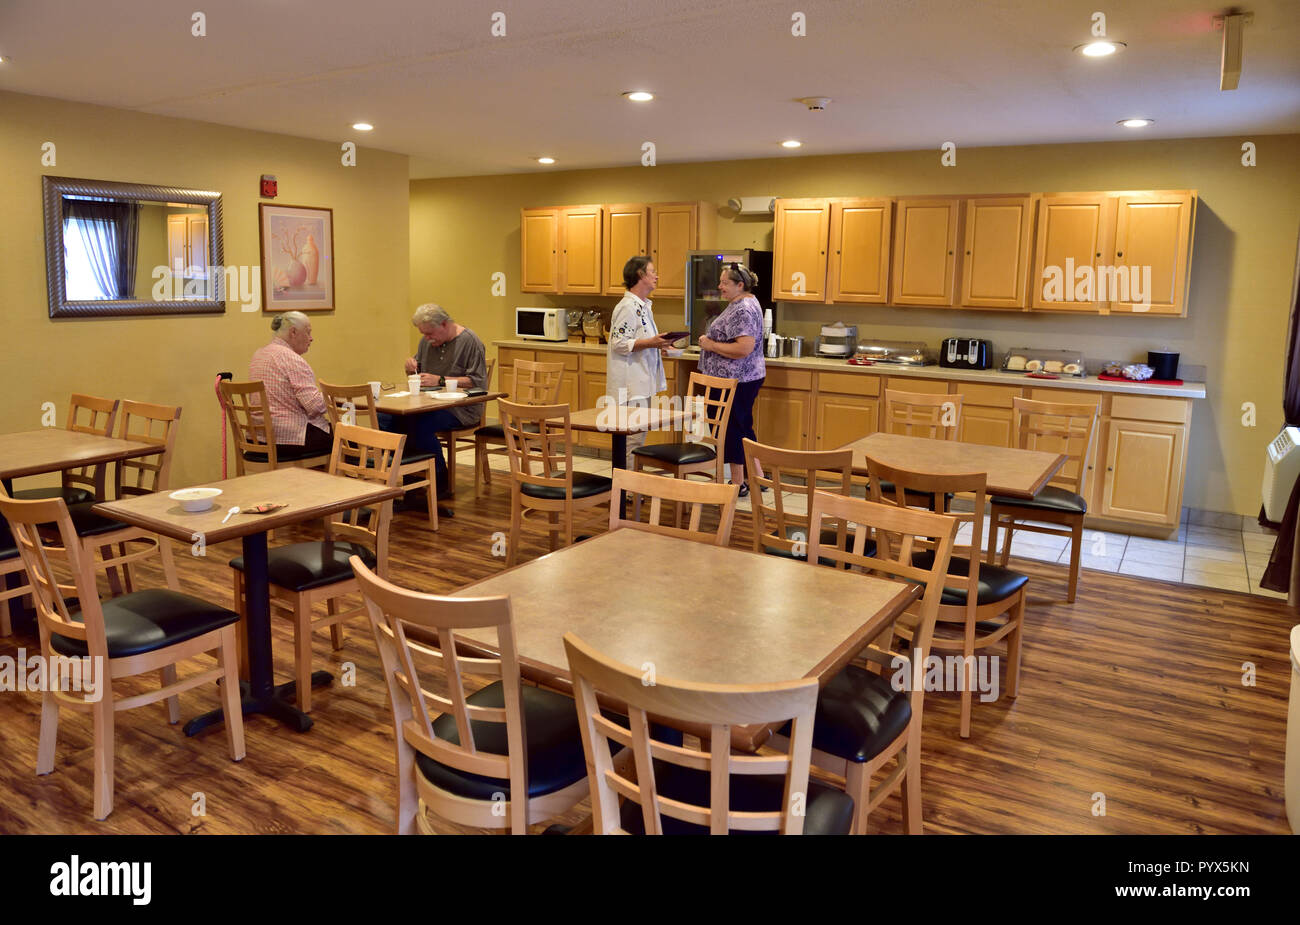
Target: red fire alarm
[{"x": 268, "y": 186}]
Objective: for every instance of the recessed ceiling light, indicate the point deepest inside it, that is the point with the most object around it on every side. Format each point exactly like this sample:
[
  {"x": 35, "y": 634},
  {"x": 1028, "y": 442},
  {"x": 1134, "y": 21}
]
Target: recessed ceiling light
[
  {"x": 363, "y": 126},
  {"x": 792, "y": 144},
  {"x": 639, "y": 96},
  {"x": 1099, "y": 49},
  {"x": 1135, "y": 123},
  {"x": 546, "y": 160}
]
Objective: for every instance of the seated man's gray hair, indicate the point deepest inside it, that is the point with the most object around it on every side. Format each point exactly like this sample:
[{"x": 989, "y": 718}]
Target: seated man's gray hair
[
  {"x": 430, "y": 313},
  {"x": 284, "y": 323}
]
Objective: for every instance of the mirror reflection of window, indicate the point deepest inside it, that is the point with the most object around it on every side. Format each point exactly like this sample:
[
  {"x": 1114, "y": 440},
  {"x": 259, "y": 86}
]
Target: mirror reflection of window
[{"x": 100, "y": 239}]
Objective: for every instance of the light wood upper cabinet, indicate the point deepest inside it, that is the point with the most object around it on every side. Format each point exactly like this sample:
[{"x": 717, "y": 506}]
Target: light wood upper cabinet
[
  {"x": 1072, "y": 233},
  {"x": 925, "y": 251},
  {"x": 580, "y": 235},
  {"x": 996, "y": 259},
  {"x": 800, "y": 234},
  {"x": 860, "y": 234},
  {"x": 624, "y": 238},
  {"x": 187, "y": 245},
  {"x": 674, "y": 231},
  {"x": 1153, "y": 230},
  {"x": 539, "y": 236}
]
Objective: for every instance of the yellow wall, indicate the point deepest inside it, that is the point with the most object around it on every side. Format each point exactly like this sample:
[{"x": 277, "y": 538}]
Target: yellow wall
[
  {"x": 174, "y": 360},
  {"x": 463, "y": 230}
]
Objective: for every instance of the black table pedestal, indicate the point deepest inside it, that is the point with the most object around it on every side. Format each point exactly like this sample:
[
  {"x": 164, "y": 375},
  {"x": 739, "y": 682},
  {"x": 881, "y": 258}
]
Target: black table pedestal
[{"x": 259, "y": 694}]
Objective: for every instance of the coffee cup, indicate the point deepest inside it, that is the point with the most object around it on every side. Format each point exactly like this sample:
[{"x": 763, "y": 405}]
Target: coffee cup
[{"x": 413, "y": 383}]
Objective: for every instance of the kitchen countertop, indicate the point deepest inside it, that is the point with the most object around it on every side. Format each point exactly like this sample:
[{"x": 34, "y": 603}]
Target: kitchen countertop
[{"x": 985, "y": 376}]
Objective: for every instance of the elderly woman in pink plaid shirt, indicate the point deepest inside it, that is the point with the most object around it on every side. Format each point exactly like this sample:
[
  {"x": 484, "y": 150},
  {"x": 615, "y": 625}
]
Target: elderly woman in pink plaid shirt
[{"x": 297, "y": 405}]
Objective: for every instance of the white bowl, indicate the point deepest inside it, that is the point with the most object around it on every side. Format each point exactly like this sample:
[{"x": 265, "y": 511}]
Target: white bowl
[{"x": 195, "y": 500}]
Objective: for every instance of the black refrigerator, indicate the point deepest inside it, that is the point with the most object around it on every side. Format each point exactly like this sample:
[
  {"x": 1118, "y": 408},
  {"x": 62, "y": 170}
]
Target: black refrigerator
[{"x": 703, "y": 268}]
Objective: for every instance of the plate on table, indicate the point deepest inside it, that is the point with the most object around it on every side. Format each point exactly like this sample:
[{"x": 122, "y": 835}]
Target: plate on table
[{"x": 447, "y": 396}]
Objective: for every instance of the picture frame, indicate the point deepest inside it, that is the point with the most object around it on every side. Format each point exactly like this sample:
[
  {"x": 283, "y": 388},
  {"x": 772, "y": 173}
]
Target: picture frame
[{"x": 297, "y": 248}]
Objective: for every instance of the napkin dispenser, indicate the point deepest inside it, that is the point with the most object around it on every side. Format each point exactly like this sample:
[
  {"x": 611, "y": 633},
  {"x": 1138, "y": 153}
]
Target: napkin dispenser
[{"x": 966, "y": 353}]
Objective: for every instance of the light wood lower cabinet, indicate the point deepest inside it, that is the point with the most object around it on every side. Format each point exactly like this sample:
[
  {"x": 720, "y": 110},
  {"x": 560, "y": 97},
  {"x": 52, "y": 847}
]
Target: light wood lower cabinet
[
  {"x": 1143, "y": 477},
  {"x": 841, "y": 419},
  {"x": 781, "y": 417}
]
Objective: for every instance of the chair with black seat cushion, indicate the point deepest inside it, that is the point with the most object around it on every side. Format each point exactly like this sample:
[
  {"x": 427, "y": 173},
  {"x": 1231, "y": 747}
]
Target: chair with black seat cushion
[
  {"x": 781, "y": 522},
  {"x": 692, "y": 496},
  {"x": 255, "y": 447},
  {"x": 504, "y": 756},
  {"x": 682, "y": 790},
  {"x": 534, "y": 384},
  {"x": 539, "y": 441},
  {"x": 81, "y": 484},
  {"x": 144, "y": 631},
  {"x": 453, "y": 438},
  {"x": 354, "y": 404},
  {"x": 712, "y": 396},
  {"x": 143, "y": 423},
  {"x": 302, "y": 575},
  {"x": 867, "y": 716},
  {"x": 1053, "y": 427},
  {"x": 975, "y": 596}
]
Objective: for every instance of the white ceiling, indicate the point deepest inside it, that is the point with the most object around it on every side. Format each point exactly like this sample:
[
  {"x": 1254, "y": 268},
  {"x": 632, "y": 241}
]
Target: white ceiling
[{"x": 439, "y": 87}]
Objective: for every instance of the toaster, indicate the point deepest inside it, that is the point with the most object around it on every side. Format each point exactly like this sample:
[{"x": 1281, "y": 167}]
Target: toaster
[{"x": 966, "y": 353}]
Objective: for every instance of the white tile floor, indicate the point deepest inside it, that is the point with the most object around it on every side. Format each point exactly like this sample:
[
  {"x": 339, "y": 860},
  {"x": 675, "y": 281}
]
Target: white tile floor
[{"x": 1210, "y": 557}]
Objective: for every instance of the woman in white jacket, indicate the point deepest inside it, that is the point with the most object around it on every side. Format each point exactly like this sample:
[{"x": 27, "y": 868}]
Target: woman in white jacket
[{"x": 635, "y": 370}]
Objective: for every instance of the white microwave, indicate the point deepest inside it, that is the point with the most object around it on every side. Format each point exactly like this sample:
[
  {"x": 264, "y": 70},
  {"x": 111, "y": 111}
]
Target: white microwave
[{"x": 541, "y": 323}]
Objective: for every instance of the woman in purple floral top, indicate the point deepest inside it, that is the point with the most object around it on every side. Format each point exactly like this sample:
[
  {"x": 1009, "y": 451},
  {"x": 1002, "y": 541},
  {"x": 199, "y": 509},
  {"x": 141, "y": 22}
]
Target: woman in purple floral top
[{"x": 733, "y": 349}]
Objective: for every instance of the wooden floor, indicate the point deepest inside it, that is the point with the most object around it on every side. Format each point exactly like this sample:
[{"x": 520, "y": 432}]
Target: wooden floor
[{"x": 1135, "y": 693}]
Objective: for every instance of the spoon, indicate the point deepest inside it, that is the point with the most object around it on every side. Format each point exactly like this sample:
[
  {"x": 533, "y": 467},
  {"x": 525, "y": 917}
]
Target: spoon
[{"x": 230, "y": 513}]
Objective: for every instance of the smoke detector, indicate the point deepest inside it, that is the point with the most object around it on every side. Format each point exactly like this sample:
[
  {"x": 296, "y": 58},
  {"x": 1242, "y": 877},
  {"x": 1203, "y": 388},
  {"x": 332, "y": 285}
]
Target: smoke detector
[{"x": 815, "y": 103}]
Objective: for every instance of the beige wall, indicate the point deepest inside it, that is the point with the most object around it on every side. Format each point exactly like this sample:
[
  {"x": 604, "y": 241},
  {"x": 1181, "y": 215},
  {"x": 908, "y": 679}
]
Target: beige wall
[
  {"x": 463, "y": 230},
  {"x": 174, "y": 360}
]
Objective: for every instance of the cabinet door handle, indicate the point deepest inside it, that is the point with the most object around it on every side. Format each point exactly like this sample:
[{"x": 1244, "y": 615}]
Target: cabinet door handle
[
  {"x": 967, "y": 253},
  {"x": 1110, "y": 468},
  {"x": 1119, "y": 253}
]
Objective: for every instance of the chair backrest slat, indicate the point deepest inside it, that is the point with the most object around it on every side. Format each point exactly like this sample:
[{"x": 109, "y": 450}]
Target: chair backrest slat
[
  {"x": 717, "y": 706},
  {"x": 797, "y": 472},
  {"x": 1057, "y": 427},
  {"x": 696, "y": 495},
  {"x": 921, "y": 414}
]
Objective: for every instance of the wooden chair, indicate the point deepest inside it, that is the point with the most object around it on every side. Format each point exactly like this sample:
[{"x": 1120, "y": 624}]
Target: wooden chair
[
  {"x": 693, "y": 496},
  {"x": 255, "y": 449},
  {"x": 713, "y": 396},
  {"x": 11, "y": 563},
  {"x": 1059, "y": 428},
  {"x": 780, "y": 528},
  {"x": 504, "y": 756},
  {"x": 680, "y": 790},
  {"x": 144, "y": 475},
  {"x": 302, "y": 575},
  {"x": 868, "y": 716},
  {"x": 354, "y": 404},
  {"x": 86, "y": 415},
  {"x": 150, "y": 630},
  {"x": 466, "y": 434},
  {"x": 539, "y": 441},
  {"x": 920, "y": 414},
  {"x": 535, "y": 384},
  {"x": 974, "y": 595}
]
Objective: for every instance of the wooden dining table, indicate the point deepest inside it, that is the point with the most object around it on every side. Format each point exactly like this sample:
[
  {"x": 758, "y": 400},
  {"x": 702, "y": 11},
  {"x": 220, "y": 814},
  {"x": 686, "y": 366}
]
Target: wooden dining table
[
  {"x": 36, "y": 452},
  {"x": 1012, "y": 472},
  {"x": 671, "y": 608},
  {"x": 307, "y": 494}
]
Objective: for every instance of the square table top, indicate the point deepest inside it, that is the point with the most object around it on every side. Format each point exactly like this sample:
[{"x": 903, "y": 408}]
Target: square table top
[
  {"x": 308, "y": 494},
  {"x": 53, "y": 449},
  {"x": 419, "y": 404},
  {"x": 1011, "y": 471},
  {"x": 697, "y": 612},
  {"x": 613, "y": 419}
]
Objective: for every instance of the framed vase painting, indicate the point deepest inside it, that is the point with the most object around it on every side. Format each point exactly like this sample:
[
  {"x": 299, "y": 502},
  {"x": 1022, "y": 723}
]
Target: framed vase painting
[{"x": 297, "y": 244}]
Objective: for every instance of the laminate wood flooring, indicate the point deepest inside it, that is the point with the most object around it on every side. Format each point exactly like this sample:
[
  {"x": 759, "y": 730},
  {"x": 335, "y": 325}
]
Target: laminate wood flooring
[{"x": 1134, "y": 694}]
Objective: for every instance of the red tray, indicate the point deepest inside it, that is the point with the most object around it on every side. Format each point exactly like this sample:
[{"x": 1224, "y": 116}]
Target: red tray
[{"x": 1140, "y": 381}]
